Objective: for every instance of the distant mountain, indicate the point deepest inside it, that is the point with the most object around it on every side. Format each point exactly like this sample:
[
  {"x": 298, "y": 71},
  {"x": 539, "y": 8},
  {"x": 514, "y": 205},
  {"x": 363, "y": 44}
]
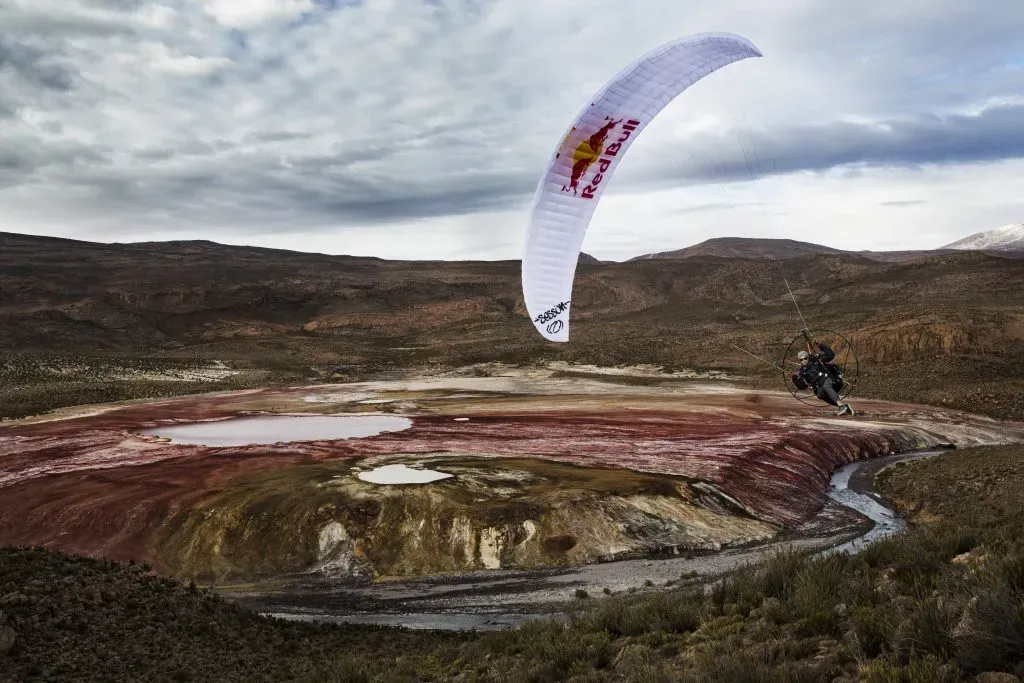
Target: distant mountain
[
  {"x": 1007, "y": 238},
  {"x": 744, "y": 247},
  {"x": 588, "y": 260},
  {"x": 1005, "y": 241}
]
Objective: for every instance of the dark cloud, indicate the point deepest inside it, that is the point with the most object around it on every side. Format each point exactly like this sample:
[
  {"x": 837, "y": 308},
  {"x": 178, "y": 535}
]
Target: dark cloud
[
  {"x": 160, "y": 154},
  {"x": 277, "y": 136},
  {"x": 11, "y": 160},
  {"x": 336, "y": 4},
  {"x": 45, "y": 22},
  {"x": 995, "y": 134},
  {"x": 26, "y": 156},
  {"x": 347, "y": 198},
  {"x": 440, "y": 202},
  {"x": 116, "y": 5},
  {"x": 36, "y": 66},
  {"x": 182, "y": 150},
  {"x": 330, "y": 188},
  {"x": 261, "y": 191},
  {"x": 716, "y": 206}
]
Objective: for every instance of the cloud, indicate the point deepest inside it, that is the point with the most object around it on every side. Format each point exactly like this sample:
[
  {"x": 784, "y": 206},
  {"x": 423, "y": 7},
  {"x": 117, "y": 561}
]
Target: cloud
[
  {"x": 902, "y": 202},
  {"x": 994, "y": 134},
  {"x": 250, "y": 13},
  {"x": 57, "y": 18},
  {"x": 34, "y": 67},
  {"x": 352, "y": 121},
  {"x": 716, "y": 206},
  {"x": 158, "y": 57}
]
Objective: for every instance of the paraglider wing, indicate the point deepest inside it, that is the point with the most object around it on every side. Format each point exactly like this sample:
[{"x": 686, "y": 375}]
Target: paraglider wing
[{"x": 581, "y": 166}]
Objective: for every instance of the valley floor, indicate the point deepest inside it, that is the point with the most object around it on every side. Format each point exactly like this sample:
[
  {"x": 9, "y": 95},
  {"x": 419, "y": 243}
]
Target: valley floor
[{"x": 942, "y": 601}]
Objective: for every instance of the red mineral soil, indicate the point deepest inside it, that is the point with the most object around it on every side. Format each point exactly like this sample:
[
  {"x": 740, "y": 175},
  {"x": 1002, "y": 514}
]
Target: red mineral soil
[{"x": 86, "y": 481}]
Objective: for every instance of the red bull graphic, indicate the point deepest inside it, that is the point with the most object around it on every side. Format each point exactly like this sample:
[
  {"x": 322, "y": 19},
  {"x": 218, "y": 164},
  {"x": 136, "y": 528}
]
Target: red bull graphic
[{"x": 592, "y": 150}]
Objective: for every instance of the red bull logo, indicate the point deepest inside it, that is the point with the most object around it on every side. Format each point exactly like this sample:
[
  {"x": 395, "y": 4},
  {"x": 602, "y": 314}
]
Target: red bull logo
[{"x": 592, "y": 151}]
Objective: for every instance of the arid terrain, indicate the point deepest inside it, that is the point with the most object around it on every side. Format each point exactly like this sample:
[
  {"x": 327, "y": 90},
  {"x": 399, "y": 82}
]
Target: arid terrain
[
  {"x": 548, "y": 470},
  {"x": 650, "y": 434}
]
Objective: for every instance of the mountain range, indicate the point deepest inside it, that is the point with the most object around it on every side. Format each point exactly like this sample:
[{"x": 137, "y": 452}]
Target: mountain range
[
  {"x": 1006, "y": 241},
  {"x": 921, "y": 321},
  {"x": 212, "y": 300}
]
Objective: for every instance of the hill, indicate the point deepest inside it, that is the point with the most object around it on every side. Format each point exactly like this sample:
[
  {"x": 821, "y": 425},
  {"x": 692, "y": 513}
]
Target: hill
[
  {"x": 743, "y": 247},
  {"x": 292, "y": 310},
  {"x": 587, "y": 259},
  {"x": 1000, "y": 242}
]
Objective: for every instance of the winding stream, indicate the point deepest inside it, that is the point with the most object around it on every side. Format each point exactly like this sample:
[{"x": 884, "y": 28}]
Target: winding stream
[{"x": 852, "y": 486}]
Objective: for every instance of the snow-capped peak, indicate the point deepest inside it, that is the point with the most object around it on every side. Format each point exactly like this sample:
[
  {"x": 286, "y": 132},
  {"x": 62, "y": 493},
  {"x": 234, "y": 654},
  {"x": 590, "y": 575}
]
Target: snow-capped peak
[{"x": 1007, "y": 238}]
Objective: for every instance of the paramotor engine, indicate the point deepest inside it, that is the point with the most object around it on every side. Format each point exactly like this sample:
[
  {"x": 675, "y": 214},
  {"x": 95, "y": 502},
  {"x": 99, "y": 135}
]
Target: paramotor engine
[{"x": 845, "y": 361}]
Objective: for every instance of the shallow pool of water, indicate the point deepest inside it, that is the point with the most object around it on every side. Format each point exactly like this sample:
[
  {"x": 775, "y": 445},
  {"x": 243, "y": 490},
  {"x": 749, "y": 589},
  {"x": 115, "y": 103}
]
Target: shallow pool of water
[
  {"x": 401, "y": 474},
  {"x": 270, "y": 429}
]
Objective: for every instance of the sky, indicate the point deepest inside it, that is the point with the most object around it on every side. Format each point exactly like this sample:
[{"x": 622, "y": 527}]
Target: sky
[{"x": 418, "y": 129}]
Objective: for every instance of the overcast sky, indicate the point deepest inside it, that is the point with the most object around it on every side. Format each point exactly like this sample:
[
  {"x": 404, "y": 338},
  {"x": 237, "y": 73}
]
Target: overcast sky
[{"x": 419, "y": 128}]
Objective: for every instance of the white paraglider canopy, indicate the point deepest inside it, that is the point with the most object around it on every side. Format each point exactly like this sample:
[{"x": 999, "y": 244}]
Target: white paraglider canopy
[{"x": 583, "y": 163}]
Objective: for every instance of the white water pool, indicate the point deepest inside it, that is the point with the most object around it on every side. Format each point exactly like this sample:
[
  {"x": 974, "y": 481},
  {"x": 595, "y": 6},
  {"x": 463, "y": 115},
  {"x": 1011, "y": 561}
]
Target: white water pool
[
  {"x": 401, "y": 474},
  {"x": 271, "y": 429}
]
